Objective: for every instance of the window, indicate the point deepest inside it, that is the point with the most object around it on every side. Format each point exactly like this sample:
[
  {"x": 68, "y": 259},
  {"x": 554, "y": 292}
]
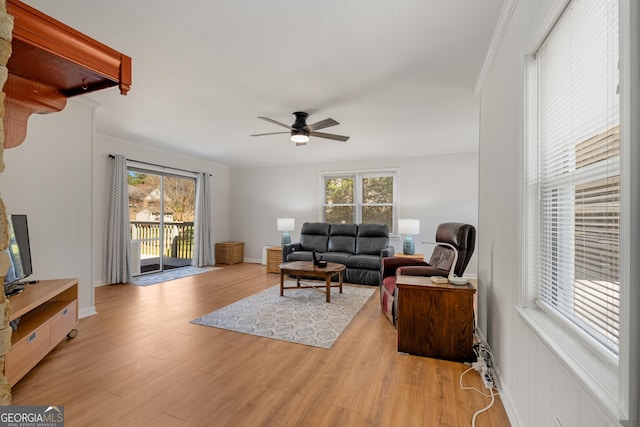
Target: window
[
  {"x": 161, "y": 219},
  {"x": 573, "y": 174},
  {"x": 359, "y": 197}
]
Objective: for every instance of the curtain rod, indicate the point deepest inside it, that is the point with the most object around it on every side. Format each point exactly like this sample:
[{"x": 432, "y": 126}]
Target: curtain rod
[{"x": 160, "y": 166}]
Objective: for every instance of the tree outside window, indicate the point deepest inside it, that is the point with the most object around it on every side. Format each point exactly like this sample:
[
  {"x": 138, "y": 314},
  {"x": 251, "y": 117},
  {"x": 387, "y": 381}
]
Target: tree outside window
[
  {"x": 377, "y": 200},
  {"x": 365, "y": 198},
  {"x": 339, "y": 206}
]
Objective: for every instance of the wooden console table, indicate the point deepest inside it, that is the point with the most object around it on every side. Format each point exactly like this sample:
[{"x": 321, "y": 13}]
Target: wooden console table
[
  {"x": 47, "y": 313},
  {"x": 435, "y": 320}
]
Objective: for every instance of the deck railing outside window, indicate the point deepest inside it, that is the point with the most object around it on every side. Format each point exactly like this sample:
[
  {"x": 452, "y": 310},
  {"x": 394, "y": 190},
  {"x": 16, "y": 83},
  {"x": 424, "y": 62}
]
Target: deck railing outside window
[{"x": 177, "y": 239}]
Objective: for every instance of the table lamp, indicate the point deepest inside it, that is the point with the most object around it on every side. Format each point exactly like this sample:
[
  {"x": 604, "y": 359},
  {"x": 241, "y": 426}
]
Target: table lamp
[
  {"x": 286, "y": 225},
  {"x": 409, "y": 227}
]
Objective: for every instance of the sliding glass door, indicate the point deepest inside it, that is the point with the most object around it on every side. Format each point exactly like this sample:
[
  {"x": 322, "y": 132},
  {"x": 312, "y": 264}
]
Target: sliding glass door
[{"x": 161, "y": 212}]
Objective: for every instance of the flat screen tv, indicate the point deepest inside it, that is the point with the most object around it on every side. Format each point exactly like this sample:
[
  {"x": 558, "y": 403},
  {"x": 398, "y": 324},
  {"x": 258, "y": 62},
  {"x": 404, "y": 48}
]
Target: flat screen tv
[{"x": 19, "y": 254}]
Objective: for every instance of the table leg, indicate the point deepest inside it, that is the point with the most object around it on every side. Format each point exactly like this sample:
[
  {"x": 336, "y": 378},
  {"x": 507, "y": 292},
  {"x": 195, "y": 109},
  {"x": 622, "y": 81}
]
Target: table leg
[
  {"x": 328, "y": 276},
  {"x": 340, "y": 275},
  {"x": 281, "y": 283}
]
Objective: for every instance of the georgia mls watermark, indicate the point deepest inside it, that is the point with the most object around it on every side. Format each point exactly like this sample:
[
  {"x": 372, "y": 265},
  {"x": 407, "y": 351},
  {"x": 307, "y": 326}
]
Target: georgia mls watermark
[{"x": 31, "y": 416}]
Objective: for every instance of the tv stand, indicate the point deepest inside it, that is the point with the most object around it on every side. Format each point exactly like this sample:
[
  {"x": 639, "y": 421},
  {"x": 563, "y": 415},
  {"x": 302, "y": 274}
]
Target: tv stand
[{"x": 47, "y": 313}]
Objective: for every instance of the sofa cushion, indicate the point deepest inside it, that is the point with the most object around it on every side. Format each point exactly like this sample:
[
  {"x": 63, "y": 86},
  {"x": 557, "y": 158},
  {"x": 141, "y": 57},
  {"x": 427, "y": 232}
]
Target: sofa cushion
[
  {"x": 342, "y": 238},
  {"x": 339, "y": 257},
  {"x": 314, "y": 236},
  {"x": 364, "y": 277},
  {"x": 368, "y": 262},
  {"x": 300, "y": 256},
  {"x": 372, "y": 238}
]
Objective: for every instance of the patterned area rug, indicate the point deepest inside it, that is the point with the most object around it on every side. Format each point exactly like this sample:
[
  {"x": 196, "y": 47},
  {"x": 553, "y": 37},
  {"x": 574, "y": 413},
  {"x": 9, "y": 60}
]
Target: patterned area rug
[
  {"x": 165, "y": 276},
  {"x": 301, "y": 316}
]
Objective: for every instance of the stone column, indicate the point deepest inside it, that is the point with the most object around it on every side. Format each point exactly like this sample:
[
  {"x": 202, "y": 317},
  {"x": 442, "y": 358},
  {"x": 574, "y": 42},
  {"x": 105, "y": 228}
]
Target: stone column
[{"x": 6, "y": 29}]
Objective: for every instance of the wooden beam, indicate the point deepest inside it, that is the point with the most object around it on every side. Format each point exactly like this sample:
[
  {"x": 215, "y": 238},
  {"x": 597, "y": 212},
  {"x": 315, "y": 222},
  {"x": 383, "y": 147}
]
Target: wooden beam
[
  {"x": 50, "y": 62},
  {"x": 22, "y": 98}
]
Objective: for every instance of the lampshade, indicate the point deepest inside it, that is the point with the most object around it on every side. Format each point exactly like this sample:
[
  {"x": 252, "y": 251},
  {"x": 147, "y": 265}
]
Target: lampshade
[
  {"x": 409, "y": 226},
  {"x": 286, "y": 224}
]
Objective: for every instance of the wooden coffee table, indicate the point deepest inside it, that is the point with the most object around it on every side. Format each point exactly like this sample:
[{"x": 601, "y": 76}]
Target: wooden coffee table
[{"x": 307, "y": 269}]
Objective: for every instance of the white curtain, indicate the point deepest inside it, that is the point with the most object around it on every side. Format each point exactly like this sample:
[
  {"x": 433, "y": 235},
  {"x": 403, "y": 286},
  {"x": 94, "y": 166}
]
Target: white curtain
[
  {"x": 118, "y": 243},
  {"x": 203, "y": 240}
]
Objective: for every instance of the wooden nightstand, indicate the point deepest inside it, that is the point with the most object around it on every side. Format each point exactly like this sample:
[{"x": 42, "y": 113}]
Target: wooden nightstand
[
  {"x": 274, "y": 259},
  {"x": 435, "y": 320},
  {"x": 417, "y": 256}
]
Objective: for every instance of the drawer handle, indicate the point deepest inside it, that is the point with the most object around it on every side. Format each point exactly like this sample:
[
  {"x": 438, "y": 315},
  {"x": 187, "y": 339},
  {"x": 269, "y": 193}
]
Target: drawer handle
[
  {"x": 65, "y": 312},
  {"x": 32, "y": 337}
]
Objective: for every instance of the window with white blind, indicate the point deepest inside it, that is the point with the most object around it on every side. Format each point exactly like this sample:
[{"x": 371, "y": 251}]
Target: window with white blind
[{"x": 573, "y": 174}]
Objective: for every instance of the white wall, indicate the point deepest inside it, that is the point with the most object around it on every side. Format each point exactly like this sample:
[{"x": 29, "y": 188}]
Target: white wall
[
  {"x": 104, "y": 145},
  {"x": 48, "y": 177},
  {"x": 60, "y": 178},
  {"x": 537, "y": 388},
  {"x": 433, "y": 189}
]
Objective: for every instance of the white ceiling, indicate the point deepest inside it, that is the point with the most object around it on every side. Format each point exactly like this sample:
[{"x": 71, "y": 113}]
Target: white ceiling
[{"x": 398, "y": 75}]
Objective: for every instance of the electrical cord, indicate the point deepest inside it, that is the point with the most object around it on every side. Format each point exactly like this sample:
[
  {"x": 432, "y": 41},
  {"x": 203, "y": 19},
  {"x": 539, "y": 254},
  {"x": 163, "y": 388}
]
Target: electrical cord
[
  {"x": 486, "y": 408},
  {"x": 464, "y": 387}
]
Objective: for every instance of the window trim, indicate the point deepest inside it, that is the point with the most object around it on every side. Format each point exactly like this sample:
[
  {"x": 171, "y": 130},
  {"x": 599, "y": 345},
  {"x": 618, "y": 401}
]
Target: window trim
[
  {"x": 612, "y": 387},
  {"x": 358, "y": 175},
  {"x": 599, "y": 378}
]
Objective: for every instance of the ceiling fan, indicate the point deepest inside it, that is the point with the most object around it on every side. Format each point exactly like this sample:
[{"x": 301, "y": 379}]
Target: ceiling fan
[{"x": 301, "y": 131}]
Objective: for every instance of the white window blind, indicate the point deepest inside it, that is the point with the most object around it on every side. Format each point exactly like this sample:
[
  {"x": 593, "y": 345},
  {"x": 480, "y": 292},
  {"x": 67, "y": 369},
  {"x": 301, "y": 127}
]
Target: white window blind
[{"x": 573, "y": 262}]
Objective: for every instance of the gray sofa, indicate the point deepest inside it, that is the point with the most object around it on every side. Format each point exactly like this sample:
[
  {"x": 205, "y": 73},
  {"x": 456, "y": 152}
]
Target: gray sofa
[{"x": 360, "y": 247}]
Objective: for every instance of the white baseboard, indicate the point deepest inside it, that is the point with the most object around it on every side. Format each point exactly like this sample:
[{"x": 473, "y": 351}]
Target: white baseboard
[
  {"x": 504, "y": 394},
  {"x": 87, "y": 311}
]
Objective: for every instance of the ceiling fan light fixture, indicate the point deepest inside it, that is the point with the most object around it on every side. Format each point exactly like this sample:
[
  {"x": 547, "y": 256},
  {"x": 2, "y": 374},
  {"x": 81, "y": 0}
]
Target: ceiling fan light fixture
[
  {"x": 299, "y": 137},
  {"x": 301, "y": 131}
]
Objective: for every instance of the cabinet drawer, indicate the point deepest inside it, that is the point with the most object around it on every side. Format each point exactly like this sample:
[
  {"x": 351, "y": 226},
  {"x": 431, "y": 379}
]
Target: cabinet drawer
[
  {"x": 63, "y": 322},
  {"x": 27, "y": 352}
]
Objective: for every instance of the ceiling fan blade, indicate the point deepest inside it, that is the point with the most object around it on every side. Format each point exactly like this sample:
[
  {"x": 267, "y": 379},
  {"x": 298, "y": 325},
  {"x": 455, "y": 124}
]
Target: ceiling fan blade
[
  {"x": 275, "y": 122},
  {"x": 270, "y": 133},
  {"x": 321, "y": 125},
  {"x": 329, "y": 136}
]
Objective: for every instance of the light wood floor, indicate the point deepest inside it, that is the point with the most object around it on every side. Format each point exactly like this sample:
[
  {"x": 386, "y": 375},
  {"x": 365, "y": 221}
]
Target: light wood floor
[{"x": 140, "y": 362}]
